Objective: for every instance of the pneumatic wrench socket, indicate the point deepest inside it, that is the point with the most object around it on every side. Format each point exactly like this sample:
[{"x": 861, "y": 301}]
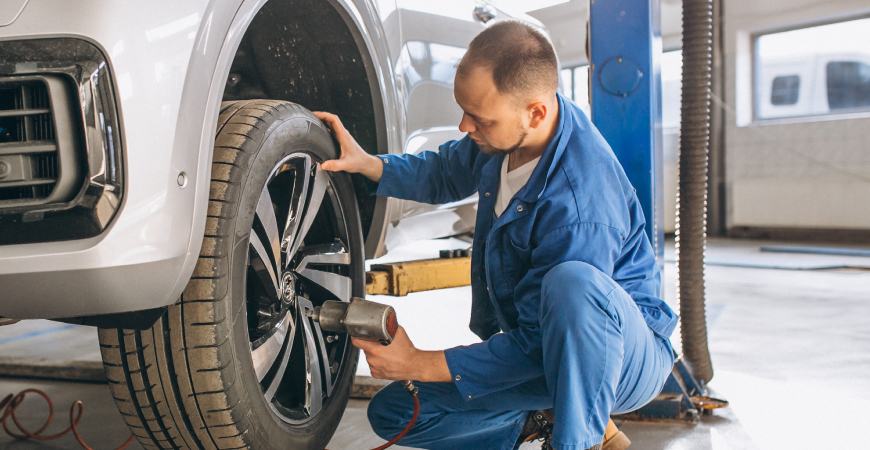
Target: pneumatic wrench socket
[
  {"x": 370, "y": 321},
  {"x": 361, "y": 319}
]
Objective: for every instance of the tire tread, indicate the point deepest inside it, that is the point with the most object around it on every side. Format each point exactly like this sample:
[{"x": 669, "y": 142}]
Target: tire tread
[{"x": 174, "y": 384}]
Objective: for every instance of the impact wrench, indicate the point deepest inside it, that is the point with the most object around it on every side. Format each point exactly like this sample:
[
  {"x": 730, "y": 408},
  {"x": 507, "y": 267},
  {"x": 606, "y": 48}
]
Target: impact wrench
[{"x": 369, "y": 321}]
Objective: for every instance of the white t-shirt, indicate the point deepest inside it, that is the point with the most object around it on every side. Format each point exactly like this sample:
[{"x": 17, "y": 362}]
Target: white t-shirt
[{"x": 511, "y": 182}]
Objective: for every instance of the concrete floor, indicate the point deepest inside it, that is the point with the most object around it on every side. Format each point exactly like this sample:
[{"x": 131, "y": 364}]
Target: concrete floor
[{"x": 789, "y": 336}]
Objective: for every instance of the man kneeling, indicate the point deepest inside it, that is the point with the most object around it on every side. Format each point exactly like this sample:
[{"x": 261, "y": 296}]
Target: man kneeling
[{"x": 565, "y": 287}]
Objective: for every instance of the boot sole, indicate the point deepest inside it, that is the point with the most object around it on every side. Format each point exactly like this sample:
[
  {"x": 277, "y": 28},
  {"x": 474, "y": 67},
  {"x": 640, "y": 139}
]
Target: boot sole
[{"x": 618, "y": 441}]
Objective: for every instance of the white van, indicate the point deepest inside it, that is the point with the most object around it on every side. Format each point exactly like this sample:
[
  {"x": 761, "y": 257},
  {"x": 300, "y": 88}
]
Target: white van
[{"x": 807, "y": 86}]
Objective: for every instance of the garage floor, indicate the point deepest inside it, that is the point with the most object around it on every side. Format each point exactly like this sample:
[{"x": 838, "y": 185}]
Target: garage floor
[{"x": 789, "y": 335}]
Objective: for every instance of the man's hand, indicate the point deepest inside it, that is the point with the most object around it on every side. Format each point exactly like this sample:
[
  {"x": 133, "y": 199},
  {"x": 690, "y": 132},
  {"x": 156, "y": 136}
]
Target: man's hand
[
  {"x": 402, "y": 361},
  {"x": 353, "y": 158}
]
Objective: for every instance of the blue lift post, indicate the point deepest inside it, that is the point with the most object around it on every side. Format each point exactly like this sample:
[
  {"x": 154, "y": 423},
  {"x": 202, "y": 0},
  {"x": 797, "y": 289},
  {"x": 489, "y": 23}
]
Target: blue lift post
[
  {"x": 625, "y": 52},
  {"x": 626, "y": 98}
]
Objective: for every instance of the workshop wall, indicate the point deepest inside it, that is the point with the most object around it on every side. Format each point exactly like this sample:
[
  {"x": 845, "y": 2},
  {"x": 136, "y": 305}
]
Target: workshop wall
[{"x": 810, "y": 172}]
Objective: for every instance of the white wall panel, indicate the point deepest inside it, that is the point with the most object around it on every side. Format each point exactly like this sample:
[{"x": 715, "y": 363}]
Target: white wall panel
[{"x": 796, "y": 173}]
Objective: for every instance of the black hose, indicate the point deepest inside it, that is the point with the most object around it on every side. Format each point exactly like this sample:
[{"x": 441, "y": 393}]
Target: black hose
[{"x": 692, "y": 190}]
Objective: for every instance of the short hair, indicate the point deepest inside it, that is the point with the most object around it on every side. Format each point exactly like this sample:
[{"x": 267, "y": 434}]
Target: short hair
[{"x": 521, "y": 58}]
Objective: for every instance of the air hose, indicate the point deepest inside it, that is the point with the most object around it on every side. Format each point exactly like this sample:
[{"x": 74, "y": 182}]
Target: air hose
[
  {"x": 692, "y": 190},
  {"x": 409, "y": 386},
  {"x": 11, "y": 402}
]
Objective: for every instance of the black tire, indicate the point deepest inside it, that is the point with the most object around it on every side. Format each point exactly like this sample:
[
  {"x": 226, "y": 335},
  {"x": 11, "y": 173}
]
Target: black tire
[{"x": 191, "y": 381}]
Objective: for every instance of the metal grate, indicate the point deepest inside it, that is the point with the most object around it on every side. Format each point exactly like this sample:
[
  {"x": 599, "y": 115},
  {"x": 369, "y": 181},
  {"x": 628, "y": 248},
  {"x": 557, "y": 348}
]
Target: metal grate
[{"x": 28, "y": 148}]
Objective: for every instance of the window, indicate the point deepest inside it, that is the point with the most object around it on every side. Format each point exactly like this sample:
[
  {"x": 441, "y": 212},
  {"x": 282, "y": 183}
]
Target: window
[
  {"x": 813, "y": 71},
  {"x": 672, "y": 87},
  {"x": 848, "y": 85},
  {"x": 575, "y": 85},
  {"x": 785, "y": 90}
]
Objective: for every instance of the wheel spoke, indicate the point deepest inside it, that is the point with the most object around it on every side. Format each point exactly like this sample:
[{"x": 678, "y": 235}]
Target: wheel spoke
[
  {"x": 338, "y": 285},
  {"x": 318, "y": 184},
  {"x": 324, "y": 358},
  {"x": 262, "y": 265},
  {"x": 313, "y": 378},
  {"x": 268, "y": 352},
  {"x": 266, "y": 214},
  {"x": 291, "y": 354},
  {"x": 297, "y": 202},
  {"x": 275, "y": 383}
]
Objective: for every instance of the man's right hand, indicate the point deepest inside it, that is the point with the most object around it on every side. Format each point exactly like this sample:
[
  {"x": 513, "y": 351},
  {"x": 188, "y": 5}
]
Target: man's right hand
[{"x": 353, "y": 158}]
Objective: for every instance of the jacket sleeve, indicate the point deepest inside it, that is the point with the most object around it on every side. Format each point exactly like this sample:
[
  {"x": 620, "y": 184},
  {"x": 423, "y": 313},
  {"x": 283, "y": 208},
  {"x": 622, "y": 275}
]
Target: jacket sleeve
[
  {"x": 449, "y": 175},
  {"x": 508, "y": 359}
]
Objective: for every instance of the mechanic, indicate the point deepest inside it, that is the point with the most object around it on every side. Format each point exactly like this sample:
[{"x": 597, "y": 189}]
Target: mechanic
[{"x": 565, "y": 286}]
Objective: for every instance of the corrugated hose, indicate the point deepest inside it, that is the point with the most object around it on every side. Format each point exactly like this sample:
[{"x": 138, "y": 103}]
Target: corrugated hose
[{"x": 691, "y": 230}]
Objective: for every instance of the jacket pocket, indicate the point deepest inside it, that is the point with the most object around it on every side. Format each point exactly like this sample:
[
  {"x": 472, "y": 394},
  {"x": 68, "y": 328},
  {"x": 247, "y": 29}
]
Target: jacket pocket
[{"x": 516, "y": 257}]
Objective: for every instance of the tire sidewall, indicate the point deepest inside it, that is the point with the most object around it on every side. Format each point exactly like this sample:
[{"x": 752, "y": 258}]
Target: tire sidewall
[{"x": 293, "y": 132}]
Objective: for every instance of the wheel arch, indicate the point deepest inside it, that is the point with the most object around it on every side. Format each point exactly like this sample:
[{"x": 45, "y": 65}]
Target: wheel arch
[
  {"x": 221, "y": 34},
  {"x": 324, "y": 55}
]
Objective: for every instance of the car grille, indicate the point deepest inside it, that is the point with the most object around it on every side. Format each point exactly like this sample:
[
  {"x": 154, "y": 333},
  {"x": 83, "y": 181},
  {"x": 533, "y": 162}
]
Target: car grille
[
  {"x": 28, "y": 149},
  {"x": 61, "y": 143}
]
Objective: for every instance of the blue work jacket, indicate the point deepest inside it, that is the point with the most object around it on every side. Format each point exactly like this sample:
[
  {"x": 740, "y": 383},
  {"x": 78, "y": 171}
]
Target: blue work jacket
[{"x": 578, "y": 205}]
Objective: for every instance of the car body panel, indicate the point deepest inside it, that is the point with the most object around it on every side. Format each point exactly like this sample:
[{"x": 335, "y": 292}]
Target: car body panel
[
  {"x": 170, "y": 62},
  {"x": 10, "y": 11},
  {"x": 183, "y": 52},
  {"x": 153, "y": 227}
]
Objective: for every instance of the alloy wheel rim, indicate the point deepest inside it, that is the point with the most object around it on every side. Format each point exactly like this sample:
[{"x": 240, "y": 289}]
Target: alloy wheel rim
[{"x": 298, "y": 258}]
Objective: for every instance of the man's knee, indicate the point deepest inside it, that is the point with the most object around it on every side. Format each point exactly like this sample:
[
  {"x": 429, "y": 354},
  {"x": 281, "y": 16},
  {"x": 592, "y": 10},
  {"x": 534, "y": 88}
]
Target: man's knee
[
  {"x": 387, "y": 411},
  {"x": 583, "y": 284}
]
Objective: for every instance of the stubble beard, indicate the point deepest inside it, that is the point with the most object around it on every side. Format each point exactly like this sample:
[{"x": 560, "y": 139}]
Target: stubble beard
[{"x": 493, "y": 151}]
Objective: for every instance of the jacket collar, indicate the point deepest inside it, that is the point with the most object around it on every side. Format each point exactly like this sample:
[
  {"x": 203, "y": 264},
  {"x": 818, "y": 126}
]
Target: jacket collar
[{"x": 534, "y": 188}]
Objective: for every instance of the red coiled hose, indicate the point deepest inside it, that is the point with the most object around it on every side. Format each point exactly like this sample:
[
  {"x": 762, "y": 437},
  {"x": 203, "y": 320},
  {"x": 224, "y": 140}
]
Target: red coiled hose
[{"x": 9, "y": 404}]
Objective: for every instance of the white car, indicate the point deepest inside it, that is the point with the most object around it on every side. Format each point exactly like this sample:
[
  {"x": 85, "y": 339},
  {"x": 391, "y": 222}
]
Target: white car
[{"x": 157, "y": 182}]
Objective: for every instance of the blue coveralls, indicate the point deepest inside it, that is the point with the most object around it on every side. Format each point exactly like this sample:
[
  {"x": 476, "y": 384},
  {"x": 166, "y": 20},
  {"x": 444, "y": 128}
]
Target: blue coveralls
[{"x": 565, "y": 295}]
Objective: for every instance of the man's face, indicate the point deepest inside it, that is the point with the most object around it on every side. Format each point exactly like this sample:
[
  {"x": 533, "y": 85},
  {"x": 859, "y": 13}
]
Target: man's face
[{"x": 493, "y": 120}]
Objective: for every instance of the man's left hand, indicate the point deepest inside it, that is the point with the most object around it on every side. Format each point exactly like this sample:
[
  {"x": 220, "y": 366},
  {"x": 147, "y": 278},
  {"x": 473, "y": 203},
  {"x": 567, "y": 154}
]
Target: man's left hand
[{"x": 402, "y": 361}]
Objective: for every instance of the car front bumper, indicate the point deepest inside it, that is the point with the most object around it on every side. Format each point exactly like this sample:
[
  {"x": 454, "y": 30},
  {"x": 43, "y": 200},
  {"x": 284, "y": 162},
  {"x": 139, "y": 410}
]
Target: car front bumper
[{"x": 162, "y": 59}]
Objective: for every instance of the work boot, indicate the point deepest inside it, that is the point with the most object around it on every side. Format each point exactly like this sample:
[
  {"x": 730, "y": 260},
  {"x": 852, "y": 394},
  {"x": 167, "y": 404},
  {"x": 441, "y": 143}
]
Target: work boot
[
  {"x": 539, "y": 425},
  {"x": 614, "y": 439}
]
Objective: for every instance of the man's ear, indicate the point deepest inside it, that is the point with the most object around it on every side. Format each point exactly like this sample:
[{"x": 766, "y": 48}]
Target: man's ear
[{"x": 537, "y": 113}]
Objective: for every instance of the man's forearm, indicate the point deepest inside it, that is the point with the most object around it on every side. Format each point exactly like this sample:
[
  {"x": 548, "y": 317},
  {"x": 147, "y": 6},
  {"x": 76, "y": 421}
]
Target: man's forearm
[
  {"x": 432, "y": 366},
  {"x": 372, "y": 168}
]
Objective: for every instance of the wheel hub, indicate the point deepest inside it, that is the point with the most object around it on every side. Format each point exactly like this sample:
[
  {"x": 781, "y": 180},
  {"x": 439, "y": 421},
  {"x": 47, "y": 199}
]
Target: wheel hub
[{"x": 288, "y": 288}]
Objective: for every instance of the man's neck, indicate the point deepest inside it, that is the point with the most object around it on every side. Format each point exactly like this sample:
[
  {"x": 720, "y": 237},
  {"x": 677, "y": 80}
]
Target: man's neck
[{"x": 536, "y": 147}]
